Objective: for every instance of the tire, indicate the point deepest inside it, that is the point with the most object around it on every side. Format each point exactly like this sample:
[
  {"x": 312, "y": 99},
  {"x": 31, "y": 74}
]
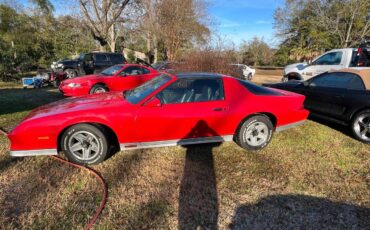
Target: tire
[
  {"x": 85, "y": 144},
  {"x": 360, "y": 126},
  {"x": 98, "y": 88},
  {"x": 249, "y": 77},
  {"x": 70, "y": 73},
  {"x": 56, "y": 83},
  {"x": 248, "y": 136}
]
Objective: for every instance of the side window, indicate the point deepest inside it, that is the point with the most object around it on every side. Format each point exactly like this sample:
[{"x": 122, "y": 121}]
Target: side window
[
  {"x": 356, "y": 83},
  {"x": 144, "y": 70},
  {"x": 116, "y": 58},
  {"x": 192, "y": 90},
  {"x": 332, "y": 80},
  {"x": 101, "y": 57},
  {"x": 333, "y": 58},
  {"x": 87, "y": 58},
  {"x": 132, "y": 70}
]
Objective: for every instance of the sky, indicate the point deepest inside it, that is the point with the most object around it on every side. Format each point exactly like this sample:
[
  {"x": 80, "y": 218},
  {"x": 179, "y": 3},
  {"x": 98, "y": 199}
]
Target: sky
[
  {"x": 241, "y": 20},
  {"x": 234, "y": 21}
]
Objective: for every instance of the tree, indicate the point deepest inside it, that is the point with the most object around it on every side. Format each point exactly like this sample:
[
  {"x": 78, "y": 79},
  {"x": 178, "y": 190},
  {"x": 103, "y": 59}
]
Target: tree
[
  {"x": 178, "y": 24},
  {"x": 256, "y": 52},
  {"x": 101, "y": 17},
  {"x": 309, "y": 27}
]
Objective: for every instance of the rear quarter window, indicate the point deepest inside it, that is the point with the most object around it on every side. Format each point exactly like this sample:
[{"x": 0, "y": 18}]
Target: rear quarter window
[
  {"x": 116, "y": 58},
  {"x": 258, "y": 90}
]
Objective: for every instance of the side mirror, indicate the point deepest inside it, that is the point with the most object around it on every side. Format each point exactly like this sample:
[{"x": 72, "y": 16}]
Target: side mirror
[{"x": 154, "y": 102}]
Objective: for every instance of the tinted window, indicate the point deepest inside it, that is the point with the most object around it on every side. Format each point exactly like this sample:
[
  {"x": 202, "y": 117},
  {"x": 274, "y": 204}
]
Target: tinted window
[
  {"x": 101, "y": 57},
  {"x": 332, "y": 80},
  {"x": 333, "y": 58},
  {"x": 139, "y": 93},
  {"x": 87, "y": 57},
  {"x": 258, "y": 90},
  {"x": 132, "y": 70},
  {"x": 116, "y": 58},
  {"x": 356, "y": 83},
  {"x": 192, "y": 90}
]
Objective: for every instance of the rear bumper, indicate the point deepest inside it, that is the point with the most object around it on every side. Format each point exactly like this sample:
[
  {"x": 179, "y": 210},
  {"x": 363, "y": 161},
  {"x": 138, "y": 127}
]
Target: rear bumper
[{"x": 26, "y": 153}]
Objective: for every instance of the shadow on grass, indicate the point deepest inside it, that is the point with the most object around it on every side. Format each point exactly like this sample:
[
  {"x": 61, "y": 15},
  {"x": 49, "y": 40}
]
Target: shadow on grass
[
  {"x": 198, "y": 200},
  {"x": 15, "y": 100},
  {"x": 300, "y": 212},
  {"x": 339, "y": 127}
]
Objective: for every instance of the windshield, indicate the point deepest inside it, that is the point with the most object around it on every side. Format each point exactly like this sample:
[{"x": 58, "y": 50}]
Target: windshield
[
  {"x": 112, "y": 70},
  {"x": 139, "y": 93}
]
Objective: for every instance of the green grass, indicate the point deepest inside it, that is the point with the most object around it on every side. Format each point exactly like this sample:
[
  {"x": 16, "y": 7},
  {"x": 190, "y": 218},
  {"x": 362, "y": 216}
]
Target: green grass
[{"x": 311, "y": 176}]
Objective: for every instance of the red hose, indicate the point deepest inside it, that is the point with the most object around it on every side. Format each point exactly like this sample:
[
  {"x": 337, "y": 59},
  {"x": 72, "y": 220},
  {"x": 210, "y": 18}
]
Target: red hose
[{"x": 103, "y": 185}]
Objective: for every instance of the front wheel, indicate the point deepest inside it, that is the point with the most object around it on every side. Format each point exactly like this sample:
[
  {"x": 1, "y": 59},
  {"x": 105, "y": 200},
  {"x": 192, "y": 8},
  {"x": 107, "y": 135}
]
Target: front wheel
[
  {"x": 70, "y": 73},
  {"x": 98, "y": 88},
  {"x": 249, "y": 77},
  {"x": 255, "y": 133},
  {"x": 361, "y": 126},
  {"x": 85, "y": 144}
]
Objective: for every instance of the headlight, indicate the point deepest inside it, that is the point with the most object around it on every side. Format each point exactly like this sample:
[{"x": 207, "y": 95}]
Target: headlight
[
  {"x": 74, "y": 85},
  {"x": 60, "y": 65}
]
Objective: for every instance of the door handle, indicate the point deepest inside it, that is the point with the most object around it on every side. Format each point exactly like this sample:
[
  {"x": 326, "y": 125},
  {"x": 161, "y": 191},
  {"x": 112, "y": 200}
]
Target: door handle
[{"x": 218, "y": 109}]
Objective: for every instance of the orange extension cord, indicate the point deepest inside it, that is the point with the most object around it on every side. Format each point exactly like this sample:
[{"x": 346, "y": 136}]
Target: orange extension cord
[{"x": 91, "y": 171}]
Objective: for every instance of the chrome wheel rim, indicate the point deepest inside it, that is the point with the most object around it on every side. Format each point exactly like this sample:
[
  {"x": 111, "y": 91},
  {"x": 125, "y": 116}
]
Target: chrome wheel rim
[
  {"x": 362, "y": 127},
  {"x": 84, "y": 145},
  {"x": 256, "y": 134},
  {"x": 99, "y": 90},
  {"x": 70, "y": 74}
]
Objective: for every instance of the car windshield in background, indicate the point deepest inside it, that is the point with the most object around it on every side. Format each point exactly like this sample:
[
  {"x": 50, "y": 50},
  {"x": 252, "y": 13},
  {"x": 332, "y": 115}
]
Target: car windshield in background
[
  {"x": 139, "y": 93},
  {"x": 158, "y": 65},
  {"x": 112, "y": 70}
]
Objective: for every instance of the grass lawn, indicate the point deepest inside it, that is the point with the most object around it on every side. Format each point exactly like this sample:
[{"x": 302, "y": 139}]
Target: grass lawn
[{"x": 311, "y": 177}]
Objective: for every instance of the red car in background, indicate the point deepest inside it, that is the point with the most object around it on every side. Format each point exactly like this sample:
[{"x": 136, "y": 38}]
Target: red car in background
[
  {"x": 168, "y": 110},
  {"x": 116, "y": 78}
]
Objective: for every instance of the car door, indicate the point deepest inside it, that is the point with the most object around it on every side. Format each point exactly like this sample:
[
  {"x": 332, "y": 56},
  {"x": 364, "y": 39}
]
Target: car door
[
  {"x": 130, "y": 77},
  {"x": 88, "y": 63},
  {"x": 329, "y": 61},
  {"x": 325, "y": 94},
  {"x": 101, "y": 62},
  {"x": 190, "y": 108}
]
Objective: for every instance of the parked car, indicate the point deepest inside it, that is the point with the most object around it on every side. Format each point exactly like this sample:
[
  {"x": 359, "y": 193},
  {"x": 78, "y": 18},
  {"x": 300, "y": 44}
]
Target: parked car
[
  {"x": 116, "y": 78},
  {"x": 87, "y": 63},
  {"x": 335, "y": 59},
  {"x": 340, "y": 96},
  {"x": 168, "y": 110},
  {"x": 243, "y": 71}
]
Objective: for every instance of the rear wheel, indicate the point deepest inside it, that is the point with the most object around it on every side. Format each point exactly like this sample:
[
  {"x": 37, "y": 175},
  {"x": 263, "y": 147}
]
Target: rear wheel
[
  {"x": 361, "y": 126},
  {"x": 85, "y": 144},
  {"x": 98, "y": 88},
  {"x": 255, "y": 133}
]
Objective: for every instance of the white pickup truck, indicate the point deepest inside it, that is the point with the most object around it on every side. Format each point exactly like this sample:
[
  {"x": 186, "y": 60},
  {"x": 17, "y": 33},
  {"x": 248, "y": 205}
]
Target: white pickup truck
[{"x": 332, "y": 60}]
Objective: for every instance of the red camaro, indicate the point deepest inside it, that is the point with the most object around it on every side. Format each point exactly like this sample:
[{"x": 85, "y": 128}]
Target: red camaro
[
  {"x": 165, "y": 111},
  {"x": 115, "y": 78}
]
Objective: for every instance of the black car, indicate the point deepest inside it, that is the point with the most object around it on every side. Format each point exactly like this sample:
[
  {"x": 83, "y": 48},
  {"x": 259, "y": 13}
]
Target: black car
[
  {"x": 88, "y": 63},
  {"x": 341, "y": 96}
]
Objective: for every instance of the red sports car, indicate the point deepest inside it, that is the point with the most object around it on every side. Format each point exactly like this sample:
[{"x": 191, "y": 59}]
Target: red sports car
[
  {"x": 115, "y": 78},
  {"x": 168, "y": 110}
]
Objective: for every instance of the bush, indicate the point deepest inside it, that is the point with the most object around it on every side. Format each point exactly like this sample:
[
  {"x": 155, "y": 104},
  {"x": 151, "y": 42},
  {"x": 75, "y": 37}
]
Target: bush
[{"x": 212, "y": 61}]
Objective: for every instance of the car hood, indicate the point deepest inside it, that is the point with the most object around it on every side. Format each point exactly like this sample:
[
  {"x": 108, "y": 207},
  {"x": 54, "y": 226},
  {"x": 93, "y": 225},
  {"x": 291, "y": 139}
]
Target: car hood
[
  {"x": 83, "y": 104},
  {"x": 296, "y": 66}
]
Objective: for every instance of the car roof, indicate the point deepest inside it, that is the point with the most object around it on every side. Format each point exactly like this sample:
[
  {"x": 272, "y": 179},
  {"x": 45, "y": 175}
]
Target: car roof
[
  {"x": 364, "y": 74},
  {"x": 197, "y": 74}
]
